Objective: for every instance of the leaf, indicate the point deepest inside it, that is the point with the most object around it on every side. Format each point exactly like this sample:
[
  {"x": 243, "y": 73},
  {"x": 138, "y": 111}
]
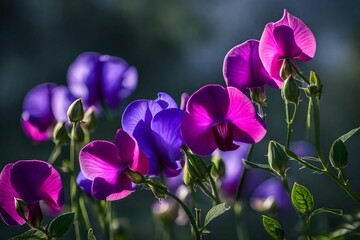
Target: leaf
[
  {"x": 31, "y": 234},
  {"x": 302, "y": 199},
  {"x": 58, "y": 226},
  {"x": 215, "y": 212},
  {"x": 312, "y": 159},
  {"x": 273, "y": 227},
  {"x": 338, "y": 212},
  {"x": 257, "y": 165},
  {"x": 91, "y": 235},
  {"x": 348, "y": 135}
]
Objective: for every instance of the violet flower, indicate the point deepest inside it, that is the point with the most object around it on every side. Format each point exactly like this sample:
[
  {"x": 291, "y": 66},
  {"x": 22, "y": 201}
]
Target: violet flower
[
  {"x": 105, "y": 164},
  {"x": 31, "y": 181},
  {"x": 288, "y": 38},
  {"x": 156, "y": 126},
  {"x": 243, "y": 68},
  {"x": 84, "y": 183},
  {"x": 215, "y": 117},
  {"x": 95, "y": 78}
]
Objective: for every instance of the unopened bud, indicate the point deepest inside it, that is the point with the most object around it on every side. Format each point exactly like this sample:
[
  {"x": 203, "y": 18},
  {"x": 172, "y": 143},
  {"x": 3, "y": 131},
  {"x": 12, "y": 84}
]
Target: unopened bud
[
  {"x": 90, "y": 119},
  {"x": 21, "y": 207},
  {"x": 197, "y": 168},
  {"x": 277, "y": 158},
  {"x": 338, "y": 154},
  {"x": 258, "y": 95},
  {"x": 290, "y": 91},
  {"x": 287, "y": 69},
  {"x": 76, "y": 111},
  {"x": 218, "y": 168},
  {"x": 136, "y": 177},
  {"x": 187, "y": 177},
  {"x": 315, "y": 81},
  {"x": 60, "y": 134}
]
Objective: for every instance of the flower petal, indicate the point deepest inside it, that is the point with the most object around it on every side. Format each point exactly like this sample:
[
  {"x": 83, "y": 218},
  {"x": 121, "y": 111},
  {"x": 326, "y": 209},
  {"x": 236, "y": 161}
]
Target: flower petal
[
  {"x": 34, "y": 132},
  {"x": 61, "y": 100},
  {"x": 84, "y": 183},
  {"x": 166, "y": 101},
  {"x": 7, "y": 198},
  {"x": 101, "y": 159}
]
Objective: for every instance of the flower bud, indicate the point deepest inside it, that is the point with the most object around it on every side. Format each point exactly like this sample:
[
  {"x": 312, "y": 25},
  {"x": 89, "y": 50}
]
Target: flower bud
[
  {"x": 90, "y": 119},
  {"x": 338, "y": 154},
  {"x": 258, "y": 96},
  {"x": 315, "y": 81},
  {"x": 277, "y": 158},
  {"x": 60, "y": 134},
  {"x": 197, "y": 168},
  {"x": 218, "y": 168},
  {"x": 76, "y": 111},
  {"x": 290, "y": 91},
  {"x": 136, "y": 177},
  {"x": 287, "y": 70},
  {"x": 187, "y": 176},
  {"x": 21, "y": 207}
]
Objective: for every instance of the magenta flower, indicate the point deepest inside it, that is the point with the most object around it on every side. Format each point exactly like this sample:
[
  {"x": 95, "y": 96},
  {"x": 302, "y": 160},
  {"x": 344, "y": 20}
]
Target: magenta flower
[
  {"x": 31, "y": 181},
  {"x": 288, "y": 38},
  {"x": 105, "y": 164},
  {"x": 243, "y": 68},
  {"x": 215, "y": 117}
]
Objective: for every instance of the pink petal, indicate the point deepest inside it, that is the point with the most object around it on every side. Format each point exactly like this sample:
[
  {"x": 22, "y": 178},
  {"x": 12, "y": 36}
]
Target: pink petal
[
  {"x": 32, "y": 131},
  {"x": 249, "y": 128},
  {"x": 130, "y": 153},
  {"x": 101, "y": 159}
]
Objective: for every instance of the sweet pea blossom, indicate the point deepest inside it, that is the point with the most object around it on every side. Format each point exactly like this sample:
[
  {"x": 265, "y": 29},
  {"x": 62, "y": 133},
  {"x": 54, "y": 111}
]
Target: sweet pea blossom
[
  {"x": 288, "y": 38},
  {"x": 105, "y": 164},
  {"x": 215, "y": 117},
  {"x": 31, "y": 181},
  {"x": 156, "y": 126},
  {"x": 243, "y": 68},
  {"x": 95, "y": 78}
]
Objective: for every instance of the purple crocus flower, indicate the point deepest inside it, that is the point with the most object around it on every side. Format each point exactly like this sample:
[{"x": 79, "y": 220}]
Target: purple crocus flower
[
  {"x": 95, "y": 78},
  {"x": 105, "y": 164},
  {"x": 31, "y": 181},
  {"x": 156, "y": 126},
  {"x": 270, "y": 194},
  {"x": 288, "y": 38},
  {"x": 243, "y": 68},
  {"x": 215, "y": 117}
]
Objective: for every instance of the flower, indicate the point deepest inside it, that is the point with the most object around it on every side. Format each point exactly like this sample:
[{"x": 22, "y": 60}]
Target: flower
[
  {"x": 105, "y": 164},
  {"x": 215, "y": 117},
  {"x": 31, "y": 181},
  {"x": 156, "y": 126},
  {"x": 288, "y": 38},
  {"x": 84, "y": 183},
  {"x": 95, "y": 78},
  {"x": 243, "y": 68}
]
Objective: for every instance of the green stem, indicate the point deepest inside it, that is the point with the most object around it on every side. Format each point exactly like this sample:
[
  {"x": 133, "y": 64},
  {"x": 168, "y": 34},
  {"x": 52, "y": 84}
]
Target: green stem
[
  {"x": 285, "y": 184},
  {"x": 54, "y": 154},
  {"x": 73, "y": 203},
  {"x": 242, "y": 177},
  {"x": 84, "y": 213},
  {"x": 108, "y": 221},
  {"x": 207, "y": 192},
  {"x": 214, "y": 189},
  {"x": 299, "y": 73},
  {"x": 289, "y": 121}
]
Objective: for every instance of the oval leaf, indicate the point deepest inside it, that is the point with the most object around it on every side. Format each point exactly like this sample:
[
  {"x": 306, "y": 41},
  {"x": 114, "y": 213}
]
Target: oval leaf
[
  {"x": 215, "y": 212},
  {"x": 58, "y": 226},
  {"x": 302, "y": 199},
  {"x": 273, "y": 227},
  {"x": 31, "y": 234}
]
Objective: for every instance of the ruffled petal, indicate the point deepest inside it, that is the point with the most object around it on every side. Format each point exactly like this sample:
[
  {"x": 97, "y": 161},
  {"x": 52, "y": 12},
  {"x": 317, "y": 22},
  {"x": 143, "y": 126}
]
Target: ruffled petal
[
  {"x": 130, "y": 154},
  {"x": 101, "y": 159},
  {"x": 166, "y": 131},
  {"x": 84, "y": 183},
  {"x": 249, "y": 127},
  {"x": 61, "y": 100},
  {"x": 7, "y": 198},
  {"x": 166, "y": 101}
]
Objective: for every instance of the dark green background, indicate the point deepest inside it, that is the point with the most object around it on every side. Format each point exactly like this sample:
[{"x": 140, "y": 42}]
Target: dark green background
[{"x": 179, "y": 46}]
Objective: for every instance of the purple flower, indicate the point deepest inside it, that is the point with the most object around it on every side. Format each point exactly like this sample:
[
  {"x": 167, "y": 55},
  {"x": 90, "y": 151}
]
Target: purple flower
[
  {"x": 215, "y": 117},
  {"x": 270, "y": 194},
  {"x": 84, "y": 183},
  {"x": 156, "y": 126},
  {"x": 243, "y": 68},
  {"x": 105, "y": 164},
  {"x": 288, "y": 38},
  {"x": 31, "y": 181},
  {"x": 95, "y": 78}
]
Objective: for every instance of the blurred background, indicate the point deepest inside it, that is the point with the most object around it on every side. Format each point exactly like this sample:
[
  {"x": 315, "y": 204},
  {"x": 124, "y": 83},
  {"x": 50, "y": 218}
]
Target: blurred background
[{"x": 179, "y": 46}]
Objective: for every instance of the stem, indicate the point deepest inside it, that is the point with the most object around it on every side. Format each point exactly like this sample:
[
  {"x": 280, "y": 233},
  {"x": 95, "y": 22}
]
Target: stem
[
  {"x": 73, "y": 182},
  {"x": 285, "y": 184},
  {"x": 214, "y": 190},
  {"x": 108, "y": 221},
  {"x": 242, "y": 177},
  {"x": 289, "y": 121},
  {"x": 54, "y": 154},
  {"x": 84, "y": 212},
  {"x": 208, "y": 193},
  {"x": 299, "y": 73},
  {"x": 240, "y": 228}
]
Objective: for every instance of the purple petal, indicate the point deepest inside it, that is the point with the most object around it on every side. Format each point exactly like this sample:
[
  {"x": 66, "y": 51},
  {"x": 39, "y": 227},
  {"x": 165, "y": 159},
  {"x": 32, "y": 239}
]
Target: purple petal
[
  {"x": 36, "y": 180},
  {"x": 7, "y": 198},
  {"x": 101, "y": 159},
  {"x": 184, "y": 99},
  {"x": 32, "y": 131},
  {"x": 104, "y": 190},
  {"x": 130, "y": 154},
  {"x": 84, "y": 183},
  {"x": 243, "y": 68},
  {"x": 83, "y": 78},
  {"x": 118, "y": 80},
  {"x": 250, "y": 128},
  {"x": 224, "y": 136},
  {"x": 166, "y": 131},
  {"x": 62, "y": 99},
  {"x": 166, "y": 101}
]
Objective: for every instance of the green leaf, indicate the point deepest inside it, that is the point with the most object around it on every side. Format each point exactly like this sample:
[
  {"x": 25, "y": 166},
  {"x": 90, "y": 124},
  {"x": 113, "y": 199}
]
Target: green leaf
[
  {"x": 273, "y": 227},
  {"x": 302, "y": 199},
  {"x": 257, "y": 165},
  {"x": 91, "y": 235},
  {"x": 348, "y": 135},
  {"x": 338, "y": 154},
  {"x": 31, "y": 234},
  {"x": 338, "y": 212},
  {"x": 58, "y": 226},
  {"x": 215, "y": 212}
]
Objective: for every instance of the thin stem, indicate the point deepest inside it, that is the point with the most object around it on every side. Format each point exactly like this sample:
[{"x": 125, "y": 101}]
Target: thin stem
[
  {"x": 299, "y": 73},
  {"x": 214, "y": 190},
  {"x": 285, "y": 184},
  {"x": 242, "y": 177},
  {"x": 108, "y": 221},
  {"x": 84, "y": 213},
  {"x": 289, "y": 121},
  {"x": 54, "y": 154},
  {"x": 207, "y": 192},
  {"x": 74, "y": 207}
]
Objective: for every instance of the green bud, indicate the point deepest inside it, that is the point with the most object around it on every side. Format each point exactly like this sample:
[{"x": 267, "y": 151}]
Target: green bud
[
  {"x": 287, "y": 70},
  {"x": 60, "y": 134},
  {"x": 217, "y": 168},
  {"x": 315, "y": 81},
  {"x": 197, "y": 168},
  {"x": 90, "y": 119},
  {"x": 21, "y": 207},
  {"x": 338, "y": 154},
  {"x": 277, "y": 158},
  {"x": 290, "y": 91},
  {"x": 76, "y": 111},
  {"x": 258, "y": 96},
  {"x": 136, "y": 177},
  {"x": 187, "y": 177}
]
